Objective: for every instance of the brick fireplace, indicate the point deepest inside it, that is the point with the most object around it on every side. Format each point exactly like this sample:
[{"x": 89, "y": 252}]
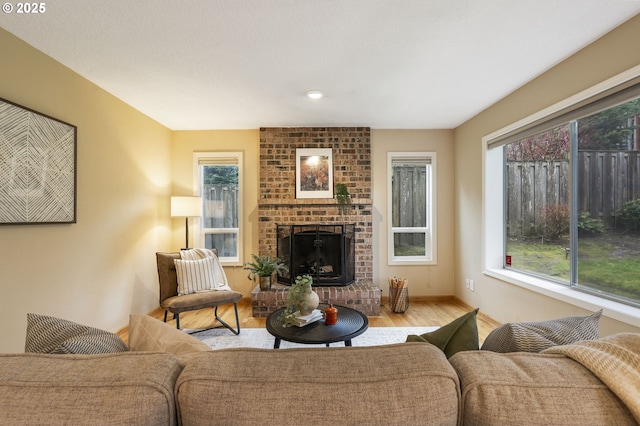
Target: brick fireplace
[{"x": 278, "y": 205}]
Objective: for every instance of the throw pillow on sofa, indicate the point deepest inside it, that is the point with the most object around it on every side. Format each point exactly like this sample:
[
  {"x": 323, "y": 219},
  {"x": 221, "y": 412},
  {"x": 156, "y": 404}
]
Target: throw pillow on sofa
[
  {"x": 149, "y": 334},
  {"x": 52, "y": 335},
  {"x": 460, "y": 334},
  {"x": 538, "y": 336}
]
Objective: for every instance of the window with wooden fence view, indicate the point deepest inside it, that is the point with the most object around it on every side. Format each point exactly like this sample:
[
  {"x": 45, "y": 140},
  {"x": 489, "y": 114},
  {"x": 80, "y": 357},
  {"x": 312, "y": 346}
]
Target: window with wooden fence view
[
  {"x": 220, "y": 195},
  {"x": 411, "y": 208},
  {"x": 573, "y": 203}
]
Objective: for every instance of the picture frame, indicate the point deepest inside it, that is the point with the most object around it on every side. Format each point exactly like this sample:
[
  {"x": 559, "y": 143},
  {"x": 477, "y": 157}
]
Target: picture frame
[
  {"x": 314, "y": 173},
  {"x": 38, "y": 155}
]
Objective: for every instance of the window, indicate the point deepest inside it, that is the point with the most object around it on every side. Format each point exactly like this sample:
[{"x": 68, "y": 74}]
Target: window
[
  {"x": 412, "y": 216},
  {"x": 571, "y": 196},
  {"x": 219, "y": 181}
]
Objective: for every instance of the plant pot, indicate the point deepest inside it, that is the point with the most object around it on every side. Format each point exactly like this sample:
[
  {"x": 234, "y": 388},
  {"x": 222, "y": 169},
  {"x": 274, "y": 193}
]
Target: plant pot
[{"x": 265, "y": 283}]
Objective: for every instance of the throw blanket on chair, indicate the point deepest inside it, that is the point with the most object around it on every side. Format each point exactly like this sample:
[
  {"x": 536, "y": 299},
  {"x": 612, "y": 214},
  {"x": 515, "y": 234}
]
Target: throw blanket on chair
[
  {"x": 219, "y": 276},
  {"x": 615, "y": 360}
]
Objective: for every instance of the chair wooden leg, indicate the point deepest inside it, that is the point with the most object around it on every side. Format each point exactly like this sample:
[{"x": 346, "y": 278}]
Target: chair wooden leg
[
  {"x": 177, "y": 317},
  {"x": 165, "y": 315}
]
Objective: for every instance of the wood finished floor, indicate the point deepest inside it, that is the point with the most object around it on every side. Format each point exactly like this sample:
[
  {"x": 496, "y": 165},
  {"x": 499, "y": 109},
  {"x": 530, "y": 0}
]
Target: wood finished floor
[{"x": 421, "y": 312}]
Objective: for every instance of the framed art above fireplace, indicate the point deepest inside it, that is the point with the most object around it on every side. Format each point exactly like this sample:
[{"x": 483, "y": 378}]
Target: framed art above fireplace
[{"x": 314, "y": 173}]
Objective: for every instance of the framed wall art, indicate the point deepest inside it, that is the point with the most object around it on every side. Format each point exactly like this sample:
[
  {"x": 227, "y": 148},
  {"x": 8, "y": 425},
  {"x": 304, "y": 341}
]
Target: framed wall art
[
  {"x": 314, "y": 173},
  {"x": 37, "y": 167}
]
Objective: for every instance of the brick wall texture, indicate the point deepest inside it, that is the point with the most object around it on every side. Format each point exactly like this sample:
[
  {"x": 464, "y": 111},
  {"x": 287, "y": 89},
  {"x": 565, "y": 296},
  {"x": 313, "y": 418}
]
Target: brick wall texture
[{"x": 277, "y": 205}]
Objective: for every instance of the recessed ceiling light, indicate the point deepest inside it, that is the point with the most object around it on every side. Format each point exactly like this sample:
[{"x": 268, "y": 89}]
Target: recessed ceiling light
[{"x": 315, "y": 94}]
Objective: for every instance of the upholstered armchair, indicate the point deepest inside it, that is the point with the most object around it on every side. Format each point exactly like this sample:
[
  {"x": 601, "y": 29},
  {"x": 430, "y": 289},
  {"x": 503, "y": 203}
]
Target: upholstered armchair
[{"x": 172, "y": 302}]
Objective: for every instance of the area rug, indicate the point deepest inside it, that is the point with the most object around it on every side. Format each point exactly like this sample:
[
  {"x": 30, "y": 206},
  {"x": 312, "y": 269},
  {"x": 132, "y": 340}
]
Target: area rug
[{"x": 221, "y": 338}]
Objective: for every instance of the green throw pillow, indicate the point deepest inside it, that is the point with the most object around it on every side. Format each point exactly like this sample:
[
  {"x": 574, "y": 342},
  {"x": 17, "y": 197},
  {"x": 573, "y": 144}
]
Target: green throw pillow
[{"x": 461, "y": 334}]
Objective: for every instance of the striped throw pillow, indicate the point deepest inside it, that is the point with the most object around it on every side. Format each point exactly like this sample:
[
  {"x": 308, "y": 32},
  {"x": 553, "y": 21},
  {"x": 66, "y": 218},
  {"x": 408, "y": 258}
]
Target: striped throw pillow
[
  {"x": 538, "y": 336},
  {"x": 195, "y": 275},
  {"x": 50, "y": 335}
]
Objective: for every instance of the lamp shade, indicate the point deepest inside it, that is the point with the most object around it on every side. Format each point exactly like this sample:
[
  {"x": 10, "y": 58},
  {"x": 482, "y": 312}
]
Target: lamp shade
[{"x": 186, "y": 206}]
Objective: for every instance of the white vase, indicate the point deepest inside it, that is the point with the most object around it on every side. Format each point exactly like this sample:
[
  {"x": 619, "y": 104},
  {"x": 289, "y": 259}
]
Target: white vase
[{"x": 308, "y": 303}]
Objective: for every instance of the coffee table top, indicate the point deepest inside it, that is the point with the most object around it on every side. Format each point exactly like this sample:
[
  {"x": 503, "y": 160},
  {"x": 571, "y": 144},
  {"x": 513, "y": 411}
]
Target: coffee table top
[{"x": 351, "y": 323}]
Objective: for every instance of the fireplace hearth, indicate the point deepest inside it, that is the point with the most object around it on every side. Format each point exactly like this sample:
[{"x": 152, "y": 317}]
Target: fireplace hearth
[{"x": 326, "y": 252}]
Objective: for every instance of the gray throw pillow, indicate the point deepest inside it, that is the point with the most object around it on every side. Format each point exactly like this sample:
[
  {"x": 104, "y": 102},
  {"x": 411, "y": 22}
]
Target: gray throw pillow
[
  {"x": 538, "y": 336},
  {"x": 52, "y": 335}
]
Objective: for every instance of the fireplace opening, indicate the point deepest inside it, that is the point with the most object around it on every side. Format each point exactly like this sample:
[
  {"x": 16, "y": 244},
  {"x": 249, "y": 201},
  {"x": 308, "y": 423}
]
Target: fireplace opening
[{"x": 326, "y": 252}]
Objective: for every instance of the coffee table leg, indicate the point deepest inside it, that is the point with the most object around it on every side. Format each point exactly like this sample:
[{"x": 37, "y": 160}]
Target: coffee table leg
[
  {"x": 276, "y": 343},
  {"x": 347, "y": 342}
]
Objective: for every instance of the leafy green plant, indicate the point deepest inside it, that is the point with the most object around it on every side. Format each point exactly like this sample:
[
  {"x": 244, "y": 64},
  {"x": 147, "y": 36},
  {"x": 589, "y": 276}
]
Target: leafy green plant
[
  {"x": 297, "y": 292},
  {"x": 264, "y": 266},
  {"x": 343, "y": 198},
  {"x": 589, "y": 225},
  {"x": 628, "y": 216}
]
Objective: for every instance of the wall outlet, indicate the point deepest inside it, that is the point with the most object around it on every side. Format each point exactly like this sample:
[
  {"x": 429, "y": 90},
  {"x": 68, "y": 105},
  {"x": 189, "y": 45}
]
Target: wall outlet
[
  {"x": 471, "y": 285},
  {"x": 466, "y": 283}
]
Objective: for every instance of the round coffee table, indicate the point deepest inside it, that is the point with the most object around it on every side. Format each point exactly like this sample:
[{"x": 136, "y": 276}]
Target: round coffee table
[{"x": 351, "y": 323}]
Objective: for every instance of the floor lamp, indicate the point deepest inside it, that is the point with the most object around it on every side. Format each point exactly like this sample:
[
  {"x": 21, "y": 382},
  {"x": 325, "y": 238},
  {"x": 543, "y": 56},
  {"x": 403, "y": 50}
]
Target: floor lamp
[{"x": 186, "y": 207}]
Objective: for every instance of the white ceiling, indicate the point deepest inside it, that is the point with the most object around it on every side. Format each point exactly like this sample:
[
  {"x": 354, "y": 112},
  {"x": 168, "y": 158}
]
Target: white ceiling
[{"x": 236, "y": 64}]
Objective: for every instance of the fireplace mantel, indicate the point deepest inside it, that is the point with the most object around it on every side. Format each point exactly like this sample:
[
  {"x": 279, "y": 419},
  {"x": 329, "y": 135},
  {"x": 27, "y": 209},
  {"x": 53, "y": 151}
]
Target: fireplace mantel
[{"x": 312, "y": 202}]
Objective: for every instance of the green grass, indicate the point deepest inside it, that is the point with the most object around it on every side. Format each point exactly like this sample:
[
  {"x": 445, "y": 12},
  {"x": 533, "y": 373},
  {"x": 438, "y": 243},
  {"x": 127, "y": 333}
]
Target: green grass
[
  {"x": 600, "y": 266},
  {"x": 408, "y": 250},
  {"x": 545, "y": 259}
]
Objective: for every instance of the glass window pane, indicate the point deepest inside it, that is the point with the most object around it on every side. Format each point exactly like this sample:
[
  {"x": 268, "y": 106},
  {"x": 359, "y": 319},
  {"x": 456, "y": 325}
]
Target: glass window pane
[
  {"x": 409, "y": 194},
  {"x": 609, "y": 201},
  {"x": 537, "y": 216},
  {"x": 226, "y": 244},
  {"x": 409, "y": 244},
  {"x": 220, "y": 196}
]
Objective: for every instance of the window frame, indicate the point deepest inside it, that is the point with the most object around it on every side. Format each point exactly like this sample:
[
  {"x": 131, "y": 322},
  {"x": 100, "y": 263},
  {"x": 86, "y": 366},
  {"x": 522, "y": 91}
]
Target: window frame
[
  {"x": 493, "y": 202},
  {"x": 430, "y": 257},
  {"x": 220, "y": 157}
]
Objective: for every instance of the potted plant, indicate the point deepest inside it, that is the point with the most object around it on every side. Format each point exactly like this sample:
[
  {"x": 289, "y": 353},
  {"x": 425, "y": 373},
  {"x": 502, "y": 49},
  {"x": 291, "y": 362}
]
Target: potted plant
[
  {"x": 263, "y": 267},
  {"x": 300, "y": 298},
  {"x": 343, "y": 198}
]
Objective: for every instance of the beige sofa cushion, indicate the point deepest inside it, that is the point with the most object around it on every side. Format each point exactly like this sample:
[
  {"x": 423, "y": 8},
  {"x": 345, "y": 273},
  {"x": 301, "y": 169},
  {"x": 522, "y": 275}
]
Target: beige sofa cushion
[
  {"x": 110, "y": 389},
  {"x": 533, "y": 389},
  {"x": 149, "y": 334},
  {"x": 409, "y": 383}
]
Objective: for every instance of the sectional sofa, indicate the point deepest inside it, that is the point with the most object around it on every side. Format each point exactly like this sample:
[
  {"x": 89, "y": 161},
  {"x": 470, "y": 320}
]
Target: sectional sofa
[{"x": 168, "y": 378}]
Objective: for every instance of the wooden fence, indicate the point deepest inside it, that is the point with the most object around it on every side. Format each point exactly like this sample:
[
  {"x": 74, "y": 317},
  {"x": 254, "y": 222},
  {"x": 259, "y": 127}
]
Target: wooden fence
[
  {"x": 606, "y": 180},
  {"x": 409, "y": 201},
  {"x": 221, "y": 211}
]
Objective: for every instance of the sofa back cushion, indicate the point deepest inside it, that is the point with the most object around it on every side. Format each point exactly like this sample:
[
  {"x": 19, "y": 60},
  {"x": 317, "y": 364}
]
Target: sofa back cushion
[
  {"x": 121, "y": 388},
  {"x": 409, "y": 383},
  {"x": 531, "y": 388}
]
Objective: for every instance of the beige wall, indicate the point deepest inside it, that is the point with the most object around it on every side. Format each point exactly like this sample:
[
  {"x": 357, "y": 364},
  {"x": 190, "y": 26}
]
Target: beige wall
[
  {"x": 102, "y": 268},
  {"x": 614, "y": 53},
  {"x": 431, "y": 280}
]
